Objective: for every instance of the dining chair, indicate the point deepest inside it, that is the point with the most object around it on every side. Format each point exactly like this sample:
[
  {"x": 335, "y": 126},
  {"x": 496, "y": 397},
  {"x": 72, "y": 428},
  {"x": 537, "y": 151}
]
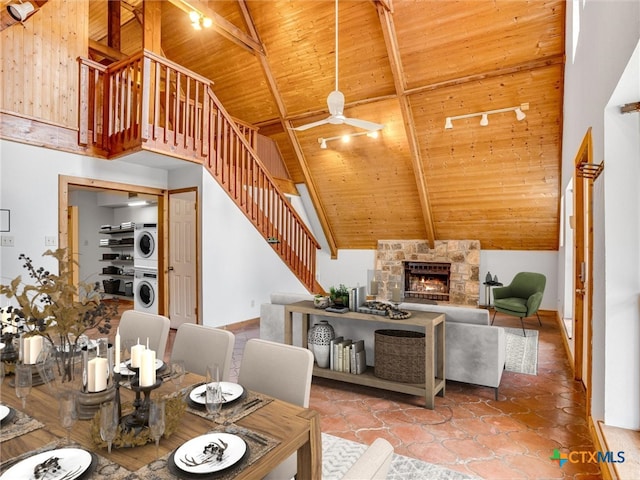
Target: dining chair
[
  {"x": 201, "y": 345},
  {"x": 373, "y": 464},
  {"x": 281, "y": 371},
  {"x": 136, "y": 326}
]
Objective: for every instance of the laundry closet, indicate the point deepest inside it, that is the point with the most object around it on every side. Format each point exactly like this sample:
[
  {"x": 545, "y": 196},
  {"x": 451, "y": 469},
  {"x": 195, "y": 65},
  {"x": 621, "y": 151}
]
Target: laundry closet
[{"x": 118, "y": 244}]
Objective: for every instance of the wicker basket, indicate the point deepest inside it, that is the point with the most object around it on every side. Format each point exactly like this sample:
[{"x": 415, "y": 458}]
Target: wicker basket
[{"x": 399, "y": 355}]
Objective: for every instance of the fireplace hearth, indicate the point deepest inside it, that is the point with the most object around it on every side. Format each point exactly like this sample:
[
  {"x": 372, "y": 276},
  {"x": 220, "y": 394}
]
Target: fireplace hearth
[{"x": 426, "y": 280}]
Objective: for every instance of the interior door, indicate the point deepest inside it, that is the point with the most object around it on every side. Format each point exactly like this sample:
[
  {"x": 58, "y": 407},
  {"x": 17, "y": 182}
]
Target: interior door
[
  {"x": 183, "y": 272},
  {"x": 585, "y": 173}
]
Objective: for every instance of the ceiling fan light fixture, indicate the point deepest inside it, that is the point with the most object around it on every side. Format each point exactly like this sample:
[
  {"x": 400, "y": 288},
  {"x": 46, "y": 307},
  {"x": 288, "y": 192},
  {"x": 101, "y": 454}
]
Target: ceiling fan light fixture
[
  {"x": 373, "y": 134},
  {"x": 207, "y": 22}
]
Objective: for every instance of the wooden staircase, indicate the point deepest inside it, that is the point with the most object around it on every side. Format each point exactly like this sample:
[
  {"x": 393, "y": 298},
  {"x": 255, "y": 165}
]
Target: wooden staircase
[{"x": 148, "y": 102}]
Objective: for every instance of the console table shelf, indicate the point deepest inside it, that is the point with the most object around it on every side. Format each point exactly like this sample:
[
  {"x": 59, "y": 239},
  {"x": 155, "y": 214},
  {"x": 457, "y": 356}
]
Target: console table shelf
[{"x": 433, "y": 324}]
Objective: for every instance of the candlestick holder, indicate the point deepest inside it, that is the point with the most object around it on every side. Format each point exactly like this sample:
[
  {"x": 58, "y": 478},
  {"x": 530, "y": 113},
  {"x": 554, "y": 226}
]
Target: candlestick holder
[{"x": 139, "y": 418}]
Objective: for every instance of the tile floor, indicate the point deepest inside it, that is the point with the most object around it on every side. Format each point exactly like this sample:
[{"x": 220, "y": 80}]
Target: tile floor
[{"x": 469, "y": 431}]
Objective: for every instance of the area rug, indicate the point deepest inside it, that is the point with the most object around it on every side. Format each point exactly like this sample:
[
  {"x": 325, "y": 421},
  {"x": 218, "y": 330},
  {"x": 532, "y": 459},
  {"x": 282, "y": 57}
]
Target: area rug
[
  {"x": 339, "y": 454},
  {"x": 522, "y": 352}
]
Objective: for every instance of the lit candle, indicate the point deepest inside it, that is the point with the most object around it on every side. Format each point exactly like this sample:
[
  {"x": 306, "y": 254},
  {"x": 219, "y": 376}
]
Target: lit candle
[
  {"x": 116, "y": 367},
  {"x": 136, "y": 355},
  {"x": 395, "y": 294},
  {"x": 374, "y": 287},
  {"x": 97, "y": 374},
  {"x": 148, "y": 368}
]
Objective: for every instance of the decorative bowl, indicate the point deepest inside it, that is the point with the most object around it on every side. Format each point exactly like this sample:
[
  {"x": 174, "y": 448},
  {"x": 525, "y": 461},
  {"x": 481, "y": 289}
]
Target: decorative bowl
[{"x": 320, "y": 301}]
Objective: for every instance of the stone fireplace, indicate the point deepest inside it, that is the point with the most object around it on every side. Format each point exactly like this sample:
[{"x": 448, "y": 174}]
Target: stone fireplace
[{"x": 451, "y": 274}]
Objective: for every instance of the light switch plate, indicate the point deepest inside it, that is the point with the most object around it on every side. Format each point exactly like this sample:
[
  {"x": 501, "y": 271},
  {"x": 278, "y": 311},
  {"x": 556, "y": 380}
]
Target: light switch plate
[
  {"x": 7, "y": 241},
  {"x": 50, "y": 241}
]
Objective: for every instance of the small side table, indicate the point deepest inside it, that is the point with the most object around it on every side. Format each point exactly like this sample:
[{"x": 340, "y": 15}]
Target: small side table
[{"x": 487, "y": 293}]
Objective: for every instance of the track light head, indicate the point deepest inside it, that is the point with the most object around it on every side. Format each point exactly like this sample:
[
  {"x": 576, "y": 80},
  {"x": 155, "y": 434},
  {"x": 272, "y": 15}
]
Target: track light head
[
  {"x": 447, "y": 123},
  {"x": 323, "y": 143},
  {"x": 484, "y": 121},
  {"x": 520, "y": 115}
]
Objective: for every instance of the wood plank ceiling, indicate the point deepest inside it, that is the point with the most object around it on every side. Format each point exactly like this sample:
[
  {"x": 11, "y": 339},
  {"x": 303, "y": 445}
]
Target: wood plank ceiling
[{"x": 407, "y": 65}]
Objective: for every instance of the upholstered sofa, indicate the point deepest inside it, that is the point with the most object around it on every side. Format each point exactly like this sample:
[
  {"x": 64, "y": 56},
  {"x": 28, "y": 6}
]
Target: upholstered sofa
[{"x": 475, "y": 350}]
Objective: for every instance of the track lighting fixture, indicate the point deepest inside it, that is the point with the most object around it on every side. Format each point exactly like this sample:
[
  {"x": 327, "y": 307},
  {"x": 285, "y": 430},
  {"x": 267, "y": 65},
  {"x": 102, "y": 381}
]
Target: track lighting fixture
[
  {"x": 20, "y": 10},
  {"x": 484, "y": 121},
  {"x": 198, "y": 20},
  {"x": 346, "y": 138}
]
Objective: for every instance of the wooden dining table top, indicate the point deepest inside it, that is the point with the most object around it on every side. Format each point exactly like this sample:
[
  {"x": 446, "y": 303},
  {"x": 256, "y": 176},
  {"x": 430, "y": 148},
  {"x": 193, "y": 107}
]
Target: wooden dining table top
[{"x": 294, "y": 427}]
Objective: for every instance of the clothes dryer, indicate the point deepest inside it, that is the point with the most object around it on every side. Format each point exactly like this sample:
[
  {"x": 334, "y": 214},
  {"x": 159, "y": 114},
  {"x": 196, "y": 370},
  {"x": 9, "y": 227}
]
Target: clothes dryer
[
  {"x": 145, "y": 252},
  {"x": 145, "y": 290}
]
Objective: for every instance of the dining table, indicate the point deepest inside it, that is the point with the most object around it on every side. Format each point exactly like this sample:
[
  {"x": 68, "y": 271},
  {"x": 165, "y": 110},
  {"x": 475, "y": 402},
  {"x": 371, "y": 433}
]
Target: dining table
[{"x": 289, "y": 428}]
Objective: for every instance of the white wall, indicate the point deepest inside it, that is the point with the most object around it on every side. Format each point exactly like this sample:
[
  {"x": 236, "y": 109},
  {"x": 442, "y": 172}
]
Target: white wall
[{"x": 608, "y": 34}]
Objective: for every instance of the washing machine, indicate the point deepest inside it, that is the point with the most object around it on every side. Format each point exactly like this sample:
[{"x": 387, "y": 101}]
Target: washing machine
[
  {"x": 145, "y": 251},
  {"x": 145, "y": 290}
]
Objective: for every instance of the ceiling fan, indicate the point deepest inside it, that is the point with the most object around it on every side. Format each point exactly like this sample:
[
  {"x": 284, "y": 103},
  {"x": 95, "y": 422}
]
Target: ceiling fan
[{"x": 335, "y": 102}]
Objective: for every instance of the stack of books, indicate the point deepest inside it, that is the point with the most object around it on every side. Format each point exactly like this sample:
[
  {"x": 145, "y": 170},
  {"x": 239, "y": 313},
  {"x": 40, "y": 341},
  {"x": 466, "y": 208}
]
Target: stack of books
[{"x": 348, "y": 356}]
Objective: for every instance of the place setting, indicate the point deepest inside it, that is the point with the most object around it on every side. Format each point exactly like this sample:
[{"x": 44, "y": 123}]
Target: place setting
[{"x": 67, "y": 463}]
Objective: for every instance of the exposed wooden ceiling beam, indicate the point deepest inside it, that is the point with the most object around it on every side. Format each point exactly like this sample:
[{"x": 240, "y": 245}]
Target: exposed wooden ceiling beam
[
  {"x": 105, "y": 51},
  {"x": 113, "y": 24},
  {"x": 399, "y": 79},
  {"x": 287, "y": 126},
  {"x": 221, "y": 25}
]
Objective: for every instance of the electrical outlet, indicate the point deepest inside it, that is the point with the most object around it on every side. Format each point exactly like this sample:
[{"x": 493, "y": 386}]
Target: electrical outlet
[
  {"x": 7, "y": 241},
  {"x": 50, "y": 241}
]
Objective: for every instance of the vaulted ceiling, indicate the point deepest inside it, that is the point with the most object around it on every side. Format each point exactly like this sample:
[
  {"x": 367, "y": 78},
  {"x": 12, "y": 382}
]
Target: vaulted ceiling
[{"x": 407, "y": 65}]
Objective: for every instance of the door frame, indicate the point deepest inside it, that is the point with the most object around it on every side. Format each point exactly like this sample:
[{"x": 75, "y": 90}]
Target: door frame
[
  {"x": 583, "y": 263},
  {"x": 66, "y": 182}
]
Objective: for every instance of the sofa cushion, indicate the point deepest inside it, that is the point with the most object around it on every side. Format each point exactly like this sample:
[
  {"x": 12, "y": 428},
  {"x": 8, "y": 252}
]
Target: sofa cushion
[
  {"x": 452, "y": 313},
  {"x": 284, "y": 298}
]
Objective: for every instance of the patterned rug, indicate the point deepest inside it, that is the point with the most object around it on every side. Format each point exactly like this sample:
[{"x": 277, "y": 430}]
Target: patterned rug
[
  {"x": 339, "y": 454},
  {"x": 522, "y": 352}
]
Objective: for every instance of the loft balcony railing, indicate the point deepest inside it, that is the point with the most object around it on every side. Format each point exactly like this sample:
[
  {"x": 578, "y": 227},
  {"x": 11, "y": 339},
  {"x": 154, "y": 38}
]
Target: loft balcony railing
[{"x": 149, "y": 102}]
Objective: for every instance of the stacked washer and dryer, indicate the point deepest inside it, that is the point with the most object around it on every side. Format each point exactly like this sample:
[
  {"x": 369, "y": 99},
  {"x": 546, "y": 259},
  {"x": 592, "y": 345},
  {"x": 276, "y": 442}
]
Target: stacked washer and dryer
[{"x": 145, "y": 265}]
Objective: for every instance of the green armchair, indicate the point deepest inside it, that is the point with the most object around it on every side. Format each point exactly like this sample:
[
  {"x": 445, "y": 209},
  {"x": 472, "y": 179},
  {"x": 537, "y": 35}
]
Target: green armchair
[{"x": 521, "y": 298}]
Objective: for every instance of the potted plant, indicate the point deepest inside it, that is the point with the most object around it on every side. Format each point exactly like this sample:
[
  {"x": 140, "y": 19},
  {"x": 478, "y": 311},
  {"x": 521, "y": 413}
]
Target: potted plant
[
  {"x": 339, "y": 295},
  {"x": 58, "y": 310}
]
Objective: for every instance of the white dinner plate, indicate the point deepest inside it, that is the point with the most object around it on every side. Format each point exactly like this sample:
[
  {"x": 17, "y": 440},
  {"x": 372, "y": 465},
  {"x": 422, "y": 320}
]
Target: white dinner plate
[
  {"x": 230, "y": 392},
  {"x": 194, "y": 448},
  {"x": 4, "y": 412},
  {"x": 73, "y": 463},
  {"x": 124, "y": 370}
]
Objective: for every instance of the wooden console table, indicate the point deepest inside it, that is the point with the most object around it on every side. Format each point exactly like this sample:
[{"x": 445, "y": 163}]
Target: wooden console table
[{"x": 433, "y": 324}]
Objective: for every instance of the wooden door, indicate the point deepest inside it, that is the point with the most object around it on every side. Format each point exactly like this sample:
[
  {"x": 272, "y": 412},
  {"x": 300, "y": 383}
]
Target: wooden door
[{"x": 183, "y": 258}]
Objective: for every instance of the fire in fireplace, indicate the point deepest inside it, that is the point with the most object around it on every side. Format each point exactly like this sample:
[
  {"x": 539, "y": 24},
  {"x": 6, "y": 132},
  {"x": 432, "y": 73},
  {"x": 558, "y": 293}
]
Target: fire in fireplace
[{"x": 427, "y": 280}]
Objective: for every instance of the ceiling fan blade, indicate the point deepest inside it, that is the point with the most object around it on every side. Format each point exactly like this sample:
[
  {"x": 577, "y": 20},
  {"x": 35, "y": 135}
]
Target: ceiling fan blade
[
  {"x": 356, "y": 122},
  {"x": 307, "y": 126}
]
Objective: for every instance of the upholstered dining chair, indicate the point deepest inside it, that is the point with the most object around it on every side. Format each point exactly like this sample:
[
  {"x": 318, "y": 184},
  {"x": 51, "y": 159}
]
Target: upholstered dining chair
[
  {"x": 136, "y": 326},
  {"x": 281, "y": 371},
  {"x": 373, "y": 464},
  {"x": 200, "y": 345},
  {"x": 521, "y": 298}
]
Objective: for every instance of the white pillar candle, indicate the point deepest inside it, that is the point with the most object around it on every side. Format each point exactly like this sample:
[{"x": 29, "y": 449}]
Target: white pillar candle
[
  {"x": 395, "y": 293},
  {"x": 374, "y": 287},
  {"x": 148, "y": 368},
  {"x": 116, "y": 366},
  {"x": 136, "y": 355},
  {"x": 32, "y": 348},
  {"x": 97, "y": 374}
]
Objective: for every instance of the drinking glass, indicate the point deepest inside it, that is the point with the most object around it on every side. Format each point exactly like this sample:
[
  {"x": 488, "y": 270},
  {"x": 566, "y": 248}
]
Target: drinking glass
[
  {"x": 177, "y": 373},
  {"x": 67, "y": 411},
  {"x": 156, "y": 422},
  {"x": 23, "y": 380},
  {"x": 213, "y": 392},
  {"x": 108, "y": 422}
]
